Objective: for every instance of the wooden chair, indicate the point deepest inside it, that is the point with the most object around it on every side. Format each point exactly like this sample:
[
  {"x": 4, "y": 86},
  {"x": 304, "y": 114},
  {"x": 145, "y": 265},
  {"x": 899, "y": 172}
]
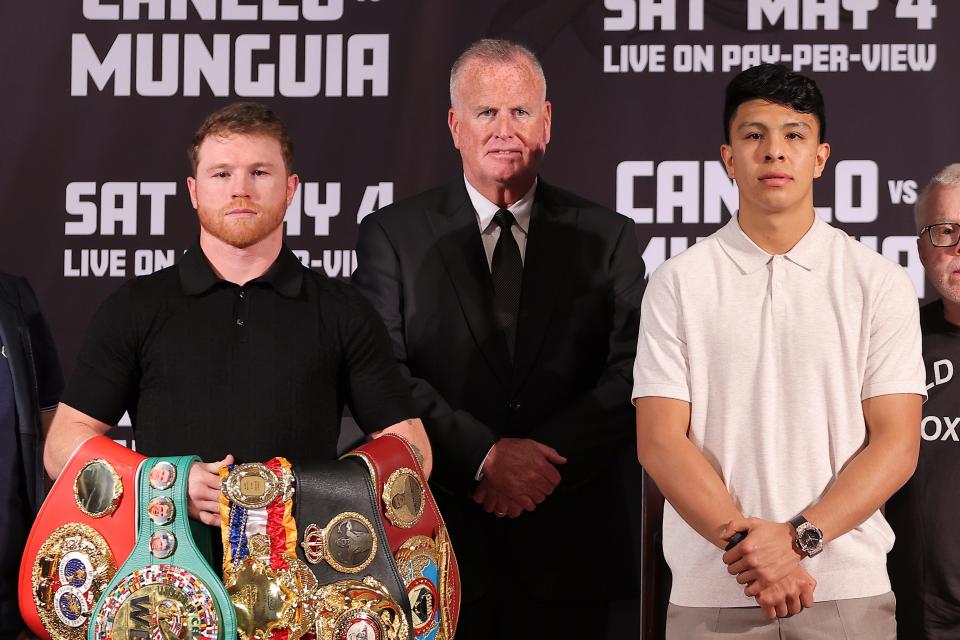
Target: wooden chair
[{"x": 654, "y": 572}]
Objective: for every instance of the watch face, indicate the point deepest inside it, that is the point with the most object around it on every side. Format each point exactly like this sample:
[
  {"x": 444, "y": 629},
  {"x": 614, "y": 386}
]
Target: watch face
[{"x": 810, "y": 538}]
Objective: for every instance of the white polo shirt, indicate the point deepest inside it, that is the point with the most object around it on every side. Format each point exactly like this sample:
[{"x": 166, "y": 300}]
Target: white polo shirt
[{"x": 774, "y": 353}]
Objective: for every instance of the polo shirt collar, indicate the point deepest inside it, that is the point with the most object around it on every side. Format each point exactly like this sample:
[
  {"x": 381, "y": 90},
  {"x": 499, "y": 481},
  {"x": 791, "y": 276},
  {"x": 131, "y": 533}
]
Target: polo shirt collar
[
  {"x": 812, "y": 247},
  {"x": 285, "y": 275},
  {"x": 749, "y": 257}
]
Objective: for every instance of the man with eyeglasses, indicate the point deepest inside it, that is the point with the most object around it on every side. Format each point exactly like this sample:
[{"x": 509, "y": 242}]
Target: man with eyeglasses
[{"x": 925, "y": 563}]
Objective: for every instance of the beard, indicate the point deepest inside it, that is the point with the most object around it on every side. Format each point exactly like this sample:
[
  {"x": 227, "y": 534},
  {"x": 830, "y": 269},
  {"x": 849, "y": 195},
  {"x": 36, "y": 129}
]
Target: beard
[{"x": 242, "y": 232}]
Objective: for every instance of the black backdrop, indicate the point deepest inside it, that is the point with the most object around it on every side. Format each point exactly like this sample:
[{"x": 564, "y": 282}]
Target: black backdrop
[{"x": 102, "y": 96}]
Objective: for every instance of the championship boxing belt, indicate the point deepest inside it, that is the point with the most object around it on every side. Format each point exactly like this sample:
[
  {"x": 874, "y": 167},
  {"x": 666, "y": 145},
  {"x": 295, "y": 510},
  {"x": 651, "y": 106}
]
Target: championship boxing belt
[
  {"x": 271, "y": 589},
  {"x": 166, "y": 588},
  {"x": 84, "y": 529},
  {"x": 417, "y": 535},
  {"x": 343, "y": 541}
]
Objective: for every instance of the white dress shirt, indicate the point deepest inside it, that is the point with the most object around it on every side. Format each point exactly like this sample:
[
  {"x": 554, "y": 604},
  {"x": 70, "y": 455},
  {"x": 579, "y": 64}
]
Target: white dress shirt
[
  {"x": 490, "y": 233},
  {"x": 490, "y": 230}
]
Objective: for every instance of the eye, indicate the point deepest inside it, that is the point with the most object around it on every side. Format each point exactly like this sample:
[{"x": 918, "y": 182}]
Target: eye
[
  {"x": 521, "y": 112},
  {"x": 486, "y": 113},
  {"x": 259, "y": 172},
  {"x": 944, "y": 234},
  {"x": 753, "y": 135},
  {"x": 221, "y": 174},
  {"x": 794, "y": 135}
]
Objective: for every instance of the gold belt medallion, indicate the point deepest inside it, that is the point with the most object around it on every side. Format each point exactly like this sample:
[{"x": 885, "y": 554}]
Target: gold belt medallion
[
  {"x": 97, "y": 488},
  {"x": 253, "y": 485},
  {"x": 161, "y": 602},
  {"x": 266, "y": 598},
  {"x": 348, "y": 543},
  {"x": 403, "y": 498},
  {"x": 72, "y": 568},
  {"x": 353, "y": 609}
]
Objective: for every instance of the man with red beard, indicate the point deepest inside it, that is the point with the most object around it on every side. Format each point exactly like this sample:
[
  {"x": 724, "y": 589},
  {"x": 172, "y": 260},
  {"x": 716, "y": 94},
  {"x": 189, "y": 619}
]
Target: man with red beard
[{"x": 237, "y": 351}]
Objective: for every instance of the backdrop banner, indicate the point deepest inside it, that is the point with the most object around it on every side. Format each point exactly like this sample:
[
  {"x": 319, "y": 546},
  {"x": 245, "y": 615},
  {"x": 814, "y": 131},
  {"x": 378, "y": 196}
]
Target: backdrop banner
[{"x": 103, "y": 96}]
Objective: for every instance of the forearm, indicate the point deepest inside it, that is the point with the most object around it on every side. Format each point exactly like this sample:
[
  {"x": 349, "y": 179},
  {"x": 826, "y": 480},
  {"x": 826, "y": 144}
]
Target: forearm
[
  {"x": 412, "y": 430},
  {"x": 461, "y": 443},
  {"x": 692, "y": 487},
  {"x": 685, "y": 478},
  {"x": 875, "y": 474},
  {"x": 68, "y": 429}
]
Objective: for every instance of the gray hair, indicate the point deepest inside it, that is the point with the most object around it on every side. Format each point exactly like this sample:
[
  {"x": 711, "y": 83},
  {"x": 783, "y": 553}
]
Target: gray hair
[
  {"x": 949, "y": 176},
  {"x": 497, "y": 51}
]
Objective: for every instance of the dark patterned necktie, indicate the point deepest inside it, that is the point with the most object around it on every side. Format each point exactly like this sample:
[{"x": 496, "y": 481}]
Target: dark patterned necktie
[{"x": 507, "y": 271}]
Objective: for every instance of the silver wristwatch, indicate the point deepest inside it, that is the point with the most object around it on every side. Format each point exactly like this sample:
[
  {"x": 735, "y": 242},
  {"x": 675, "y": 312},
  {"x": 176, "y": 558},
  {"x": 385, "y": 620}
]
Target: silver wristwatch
[{"x": 809, "y": 538}]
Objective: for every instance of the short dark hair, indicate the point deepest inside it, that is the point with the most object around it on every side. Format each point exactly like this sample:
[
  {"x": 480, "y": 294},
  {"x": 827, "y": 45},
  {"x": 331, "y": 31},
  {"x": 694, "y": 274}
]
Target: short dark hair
[
  {"x": 248, "y": 118},
  {"x": 774, "y": 83}
]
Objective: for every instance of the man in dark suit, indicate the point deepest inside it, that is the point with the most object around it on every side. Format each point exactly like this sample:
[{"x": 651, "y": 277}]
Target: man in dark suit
[
  {"x": 30, "y": 386},
  {"x": 513, "y": 307}
]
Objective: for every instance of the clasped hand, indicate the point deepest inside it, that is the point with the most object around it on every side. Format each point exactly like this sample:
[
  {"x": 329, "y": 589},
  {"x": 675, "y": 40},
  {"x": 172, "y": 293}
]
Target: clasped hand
[
  {"x": 518, "y": 474},
  {"x": 767, "y": 562}
]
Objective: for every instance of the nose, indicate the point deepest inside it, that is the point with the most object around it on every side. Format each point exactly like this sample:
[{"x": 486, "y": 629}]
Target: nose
[
  {"x": 774, "y": 149},
  {"x": 240, "y": 185},
  {"x": 504, "y": 125}
]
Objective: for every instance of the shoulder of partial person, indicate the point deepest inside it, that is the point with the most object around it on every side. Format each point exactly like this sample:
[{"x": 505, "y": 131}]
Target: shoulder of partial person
[
  {"x": 11, "y": 283},
  {"x": 12, "y": 290},
  {"x": 931, "y": 318}
]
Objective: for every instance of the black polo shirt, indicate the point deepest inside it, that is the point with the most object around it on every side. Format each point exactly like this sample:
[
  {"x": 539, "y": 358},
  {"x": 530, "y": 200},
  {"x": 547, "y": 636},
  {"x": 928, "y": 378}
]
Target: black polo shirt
[{"x": 208, "y": 367}]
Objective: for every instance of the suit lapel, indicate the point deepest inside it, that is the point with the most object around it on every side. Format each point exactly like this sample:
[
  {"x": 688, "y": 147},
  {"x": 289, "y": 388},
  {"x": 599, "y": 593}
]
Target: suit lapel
[
  {"x": 545, "y": 264},
  {"x": 458, "y": 240}
]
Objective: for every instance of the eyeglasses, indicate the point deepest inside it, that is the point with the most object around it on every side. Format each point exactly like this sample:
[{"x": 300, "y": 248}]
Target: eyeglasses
[{"x": 942, "y": 234}]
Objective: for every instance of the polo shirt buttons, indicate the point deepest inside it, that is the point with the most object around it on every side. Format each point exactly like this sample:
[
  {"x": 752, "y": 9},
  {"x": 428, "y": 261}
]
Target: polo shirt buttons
[
  {"x": 240, "y": 314},
  {"x": 514, "y": 405}
]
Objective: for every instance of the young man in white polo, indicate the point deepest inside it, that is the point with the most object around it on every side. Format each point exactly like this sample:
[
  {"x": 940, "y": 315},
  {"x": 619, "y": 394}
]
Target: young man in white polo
[{"x": 778, "y": 385}]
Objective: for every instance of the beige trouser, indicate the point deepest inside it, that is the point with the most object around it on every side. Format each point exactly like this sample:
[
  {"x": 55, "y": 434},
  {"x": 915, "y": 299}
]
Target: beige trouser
[{"x": 858, "y": 618}]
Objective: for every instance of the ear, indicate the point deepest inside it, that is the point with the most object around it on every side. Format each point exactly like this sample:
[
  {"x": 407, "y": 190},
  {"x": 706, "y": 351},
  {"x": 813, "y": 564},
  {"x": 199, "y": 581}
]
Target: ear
[
  {"x": 922, "y": 252},
  {"x": 192, "y": 189},
  {"x": 823, "y": 153},
  {"x": 547, "y": 121},
  {"x": 453, "y": 121},
  {"x": 726, "y": 155},
  {"x": 293, "y": 181}
]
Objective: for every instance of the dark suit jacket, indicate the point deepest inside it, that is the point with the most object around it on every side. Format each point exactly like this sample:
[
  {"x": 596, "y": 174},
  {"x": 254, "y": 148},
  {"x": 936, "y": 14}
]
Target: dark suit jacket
[
  {"x": 37, "y": 382},
  {"x": 421, "y": 262}
]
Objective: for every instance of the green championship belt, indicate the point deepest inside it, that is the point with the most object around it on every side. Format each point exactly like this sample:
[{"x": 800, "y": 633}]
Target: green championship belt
[{"x": 166, "y": 588}]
